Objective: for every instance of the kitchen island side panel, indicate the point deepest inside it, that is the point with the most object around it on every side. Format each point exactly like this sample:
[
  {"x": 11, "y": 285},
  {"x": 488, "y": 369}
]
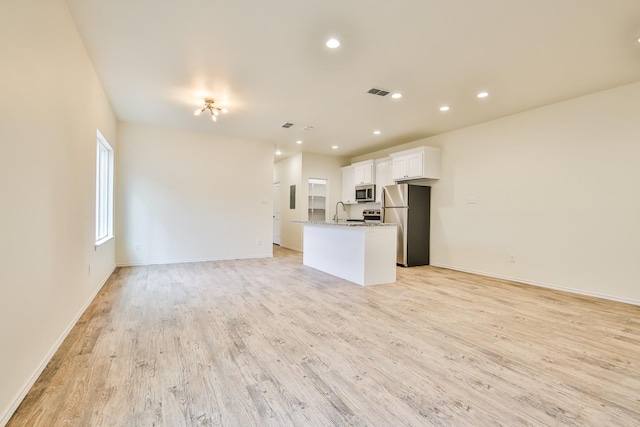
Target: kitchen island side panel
[
  {"x": 361, "y": 254},
  {"x": 335, "y": 250},
  {"x": 380, "y": 255}
]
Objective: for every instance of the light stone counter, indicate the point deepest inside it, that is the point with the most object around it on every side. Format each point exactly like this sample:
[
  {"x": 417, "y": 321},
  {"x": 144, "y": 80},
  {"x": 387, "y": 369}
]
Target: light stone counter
[{"x": 348, "y": 223}]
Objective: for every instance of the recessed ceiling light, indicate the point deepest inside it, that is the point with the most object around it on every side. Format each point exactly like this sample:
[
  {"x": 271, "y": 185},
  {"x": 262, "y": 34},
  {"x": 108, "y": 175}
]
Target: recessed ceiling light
[
  {"x": 335, "y": 147},
  {"x": 298, "y": 142},
  {"x": 396, "y": 95},
  {"x": 482, "y": 94},
  {"x": 376, "y": 132},
  {"x": 445, "y": 108},
  {"x": 638, "y": 39},
  {"x": 333, "y": 43},
  {"x": 278, "y": 153}
]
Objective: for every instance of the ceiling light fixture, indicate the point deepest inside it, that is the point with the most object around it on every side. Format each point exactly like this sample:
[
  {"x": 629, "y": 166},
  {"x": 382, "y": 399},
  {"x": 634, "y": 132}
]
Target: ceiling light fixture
[
  {"x": 482, "y": 94},
  {"x": 208, "y": 105},
  {"x": 445, "y": 108},
  {"x": 278, "y": 153},
  {"x": 376, "y": 132},
  {"x": 333, "y": 43},
  {"x": 335, "y": 147},
  {"x": 298, "y": 142},
  {"x": 396, "y": 95}
]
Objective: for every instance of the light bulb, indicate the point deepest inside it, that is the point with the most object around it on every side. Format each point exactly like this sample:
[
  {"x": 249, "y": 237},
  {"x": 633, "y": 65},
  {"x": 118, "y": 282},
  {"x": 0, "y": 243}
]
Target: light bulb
[
  {"x": 482, "y": 94},
  {"x": 225, "y": 111},
  {"x": 396, "y": 95},
  {"x": 333, "y": 43},
  {"x": 215, "y": 112},
  {"x": 214, "y": 118},
  {"x": 445, "y": 108},
  {"x": 197, "y": 112}
]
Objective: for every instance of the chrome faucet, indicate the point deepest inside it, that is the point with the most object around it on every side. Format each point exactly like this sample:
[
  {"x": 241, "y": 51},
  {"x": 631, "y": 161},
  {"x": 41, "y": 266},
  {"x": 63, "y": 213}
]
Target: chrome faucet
[{"x": 344, "y": 208}]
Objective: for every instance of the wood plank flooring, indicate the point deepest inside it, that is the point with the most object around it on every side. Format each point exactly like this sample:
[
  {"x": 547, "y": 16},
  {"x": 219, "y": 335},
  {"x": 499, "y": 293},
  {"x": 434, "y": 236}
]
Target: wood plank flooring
[{"x": 272, "y": 342}]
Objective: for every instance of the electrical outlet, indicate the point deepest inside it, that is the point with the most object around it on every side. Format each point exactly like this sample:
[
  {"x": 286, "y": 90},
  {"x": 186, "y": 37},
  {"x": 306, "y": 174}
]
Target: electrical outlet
[
  {"x": 259, "y": 242},
  {"x": 137, "y": 246},
  {"x": 512, "y": 258}
]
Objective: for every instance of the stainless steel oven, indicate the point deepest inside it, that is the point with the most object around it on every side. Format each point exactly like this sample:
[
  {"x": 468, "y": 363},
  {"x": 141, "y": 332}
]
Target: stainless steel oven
[{"x": 372, "y": 216}]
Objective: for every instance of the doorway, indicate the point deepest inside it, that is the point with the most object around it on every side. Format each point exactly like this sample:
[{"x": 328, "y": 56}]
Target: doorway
[
  {"x": 277, "y": 201},
  {"x": 317, "y": 199}
]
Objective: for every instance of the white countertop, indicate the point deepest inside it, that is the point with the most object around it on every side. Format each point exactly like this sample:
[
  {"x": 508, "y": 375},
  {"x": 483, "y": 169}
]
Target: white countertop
[{"x": 344, "y": 223}]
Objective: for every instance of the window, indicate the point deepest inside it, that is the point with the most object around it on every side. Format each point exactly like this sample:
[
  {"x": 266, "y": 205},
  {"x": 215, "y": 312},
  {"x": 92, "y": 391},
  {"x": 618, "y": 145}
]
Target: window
[{"x": 104, "y": 190}]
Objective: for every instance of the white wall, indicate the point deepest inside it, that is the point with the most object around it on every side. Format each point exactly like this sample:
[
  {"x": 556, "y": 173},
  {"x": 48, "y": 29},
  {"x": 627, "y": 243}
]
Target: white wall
[
  {"x": 556, "y": 187},
  {"x": 288, "y": 172},
  {"x": 296, "y": 170},
  {"x": 323, "y": 167},
  {"x": 185, "y": 196},
  {"x": 51, "y": 103}
]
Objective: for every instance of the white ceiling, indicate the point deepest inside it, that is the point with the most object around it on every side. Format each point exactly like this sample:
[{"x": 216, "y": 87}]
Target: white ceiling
[{"x": 266, "y": 60}]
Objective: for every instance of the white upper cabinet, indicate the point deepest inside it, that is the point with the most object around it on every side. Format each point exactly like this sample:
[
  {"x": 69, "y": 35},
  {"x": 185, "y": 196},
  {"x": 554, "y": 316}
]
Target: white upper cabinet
[
  {"x": 384, "y": 176},
  {"x": 417, "y": 163},
  {"x": 348, "y": 185},
  {"x": 363, "y": 173}
]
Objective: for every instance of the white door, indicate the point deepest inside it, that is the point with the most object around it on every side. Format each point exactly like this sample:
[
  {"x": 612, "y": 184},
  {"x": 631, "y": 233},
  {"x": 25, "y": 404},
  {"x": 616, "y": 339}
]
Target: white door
[{"x": 277, "y": 201}]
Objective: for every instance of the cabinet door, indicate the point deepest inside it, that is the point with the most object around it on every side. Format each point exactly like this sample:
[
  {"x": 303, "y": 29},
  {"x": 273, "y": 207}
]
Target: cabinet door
[
  {"x": 348, "y": 185},
  {"x": 368, "y": 174},
  {"x": 381, "y": 176},
  {"x": 359, "y": 175},
  {"x": 415, "y": 165},
  {"x": 399, "y": 167},
  {"x": 384, "y": 177},
  {"x": 364, "y": 174},
  {"x": 388, "y": 178}
]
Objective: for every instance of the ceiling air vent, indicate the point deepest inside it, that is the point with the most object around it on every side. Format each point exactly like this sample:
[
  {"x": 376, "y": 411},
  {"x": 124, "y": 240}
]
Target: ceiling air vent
[
  {"x": 287, "y": 125},
  {"x": 378, "y": 92}
]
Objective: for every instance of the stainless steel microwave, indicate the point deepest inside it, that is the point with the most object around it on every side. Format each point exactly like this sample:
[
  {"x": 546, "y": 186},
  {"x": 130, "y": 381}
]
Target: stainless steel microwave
[{"x": 366, "y": 193}]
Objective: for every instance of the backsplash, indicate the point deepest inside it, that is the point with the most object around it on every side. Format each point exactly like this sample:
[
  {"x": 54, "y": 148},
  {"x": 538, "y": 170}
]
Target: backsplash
[{"x": 355, "y": 211}]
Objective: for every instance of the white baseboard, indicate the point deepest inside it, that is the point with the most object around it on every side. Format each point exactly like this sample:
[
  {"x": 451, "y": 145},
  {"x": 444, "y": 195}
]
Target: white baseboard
[
  {"x": 14, "y": 406},
  {"x": 190, "y": 260},
  {"x": 292, "y": 248},
  {"x": 542, "y": 285}
]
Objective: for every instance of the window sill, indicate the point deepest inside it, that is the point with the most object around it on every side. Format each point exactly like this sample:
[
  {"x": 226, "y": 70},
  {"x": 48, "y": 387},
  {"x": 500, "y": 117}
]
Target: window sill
[{"x": 103, "y": 241}]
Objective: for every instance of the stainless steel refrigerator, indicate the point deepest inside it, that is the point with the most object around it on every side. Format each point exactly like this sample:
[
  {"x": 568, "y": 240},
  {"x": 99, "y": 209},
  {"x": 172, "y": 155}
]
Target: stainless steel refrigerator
[{"x": 409, "y": 206}]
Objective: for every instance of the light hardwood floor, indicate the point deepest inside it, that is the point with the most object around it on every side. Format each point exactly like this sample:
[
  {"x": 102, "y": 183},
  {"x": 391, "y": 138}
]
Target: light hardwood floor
[{"x": 272, "y": 342}]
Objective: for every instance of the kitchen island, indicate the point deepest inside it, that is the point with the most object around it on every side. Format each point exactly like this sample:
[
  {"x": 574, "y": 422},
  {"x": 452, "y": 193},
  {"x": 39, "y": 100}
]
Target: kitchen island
[{"x": 363, "y": 253}]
